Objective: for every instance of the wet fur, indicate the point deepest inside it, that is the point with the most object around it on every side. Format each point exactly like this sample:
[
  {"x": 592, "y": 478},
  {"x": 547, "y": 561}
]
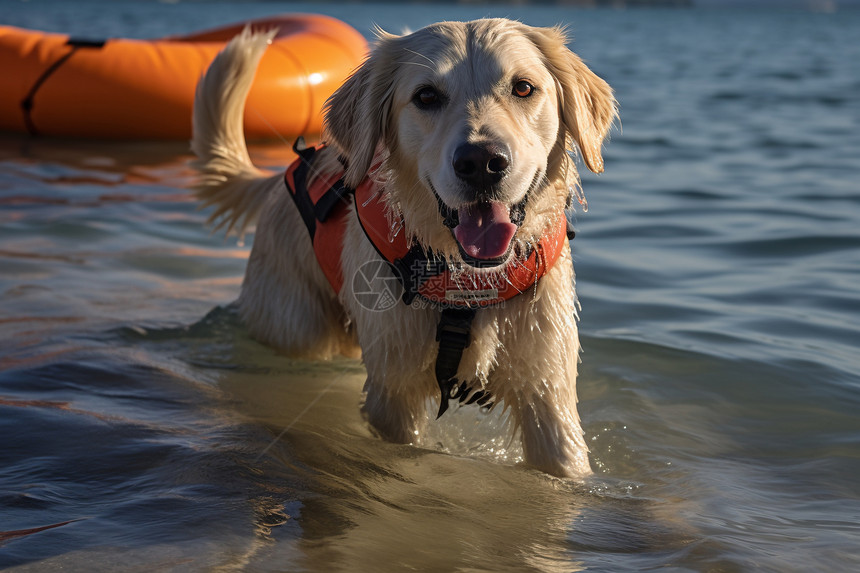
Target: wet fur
[{"x": 524, "y": 352}]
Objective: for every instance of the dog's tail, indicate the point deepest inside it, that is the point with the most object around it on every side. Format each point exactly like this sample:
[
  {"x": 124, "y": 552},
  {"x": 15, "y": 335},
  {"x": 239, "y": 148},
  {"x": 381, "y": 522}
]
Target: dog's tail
[{"x": 228, "y": 180}]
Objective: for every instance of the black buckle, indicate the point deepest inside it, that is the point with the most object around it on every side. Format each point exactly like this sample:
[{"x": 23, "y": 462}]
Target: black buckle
[{"x": 455, "y": 325}]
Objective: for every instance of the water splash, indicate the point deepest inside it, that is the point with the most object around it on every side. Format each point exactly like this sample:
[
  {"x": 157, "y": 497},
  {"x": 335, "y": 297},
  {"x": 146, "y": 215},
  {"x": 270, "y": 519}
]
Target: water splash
[
  {"x": 576, "y": 191},
  {"x": 394, "y": 230},
  {"x": 370, "y": 199},
  {"x": 468, "y": 431}
]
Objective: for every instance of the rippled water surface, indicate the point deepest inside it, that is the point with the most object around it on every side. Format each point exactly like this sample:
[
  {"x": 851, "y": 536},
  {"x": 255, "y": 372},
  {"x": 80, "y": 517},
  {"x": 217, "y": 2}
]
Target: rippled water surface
[{"x": 719, "y": 273}]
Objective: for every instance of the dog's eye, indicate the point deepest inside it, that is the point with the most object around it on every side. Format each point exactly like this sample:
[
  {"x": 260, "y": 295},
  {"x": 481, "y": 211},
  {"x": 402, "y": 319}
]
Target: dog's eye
[
  {"x": 427, "y": 98},
  {"x": 523, "y": 89}
]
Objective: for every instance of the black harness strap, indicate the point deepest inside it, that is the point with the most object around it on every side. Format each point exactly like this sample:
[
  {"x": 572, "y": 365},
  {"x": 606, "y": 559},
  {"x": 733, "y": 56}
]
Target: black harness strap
[
  {"x": 336, "y": 195},
  {"x": 454, "y": 335},
  {"x": 300, "y": 178},
  {"x": 312, "y": 212},
  {"x": 414, "y": 269}
]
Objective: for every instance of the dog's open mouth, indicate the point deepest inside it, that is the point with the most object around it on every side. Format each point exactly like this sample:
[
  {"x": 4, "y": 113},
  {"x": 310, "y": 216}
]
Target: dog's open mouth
[{"x": 485, "y": 231}]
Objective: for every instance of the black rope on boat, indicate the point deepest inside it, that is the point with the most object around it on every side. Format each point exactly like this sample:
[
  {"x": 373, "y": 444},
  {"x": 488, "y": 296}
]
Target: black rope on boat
[{"x": 27, "y": 102}]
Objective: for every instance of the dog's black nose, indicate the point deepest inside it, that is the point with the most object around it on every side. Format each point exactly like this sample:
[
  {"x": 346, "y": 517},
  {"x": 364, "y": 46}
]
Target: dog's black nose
[{"x": 481, "y": 166}]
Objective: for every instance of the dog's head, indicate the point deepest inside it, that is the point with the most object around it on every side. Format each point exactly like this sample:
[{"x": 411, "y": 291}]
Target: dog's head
[{"x": 473, "y": 122}]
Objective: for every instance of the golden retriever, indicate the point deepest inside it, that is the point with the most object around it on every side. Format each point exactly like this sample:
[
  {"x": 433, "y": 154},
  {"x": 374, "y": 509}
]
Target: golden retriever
[{"x": 467, "y": 130}]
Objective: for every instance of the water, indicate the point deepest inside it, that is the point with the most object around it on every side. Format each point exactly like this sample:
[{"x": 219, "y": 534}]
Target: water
[{"x": 718, "y": 272}]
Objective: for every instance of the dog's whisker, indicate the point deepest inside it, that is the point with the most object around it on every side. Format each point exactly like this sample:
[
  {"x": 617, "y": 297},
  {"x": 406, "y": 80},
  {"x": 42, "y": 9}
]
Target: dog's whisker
[
  {"x": 508, "y": 281},
  {"x": 420, "y": 55},
  {"x": 418, "y": 64}
]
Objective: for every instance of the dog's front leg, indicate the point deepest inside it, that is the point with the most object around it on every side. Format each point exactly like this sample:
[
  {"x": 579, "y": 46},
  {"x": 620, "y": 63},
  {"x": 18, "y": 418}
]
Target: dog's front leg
[
  {"x": 551, "y": 434},
  {"x": 396, "y": 416},
  {"x": 400, "y": 378},
  {"x": 397, "y": 341},
  {"x": 542, "y": 346}
]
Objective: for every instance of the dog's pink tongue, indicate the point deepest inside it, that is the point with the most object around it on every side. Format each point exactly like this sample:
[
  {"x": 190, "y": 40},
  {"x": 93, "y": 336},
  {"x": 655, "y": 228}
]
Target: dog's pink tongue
[{"x": 485, "y": 230}]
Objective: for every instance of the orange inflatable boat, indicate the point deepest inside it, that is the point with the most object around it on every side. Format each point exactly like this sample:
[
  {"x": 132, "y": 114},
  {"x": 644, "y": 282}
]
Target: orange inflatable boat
[{"x": 144, "y": 89}]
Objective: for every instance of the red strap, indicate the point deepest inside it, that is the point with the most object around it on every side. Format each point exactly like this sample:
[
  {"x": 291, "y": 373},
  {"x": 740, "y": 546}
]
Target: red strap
[
  {"x": 328, "y": 245},
  {"x": 390, "y": 240}
]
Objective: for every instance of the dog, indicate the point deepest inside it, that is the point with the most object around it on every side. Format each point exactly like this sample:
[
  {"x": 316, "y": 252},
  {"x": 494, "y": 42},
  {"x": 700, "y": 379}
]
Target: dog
[{"x": 462, "y": 136}]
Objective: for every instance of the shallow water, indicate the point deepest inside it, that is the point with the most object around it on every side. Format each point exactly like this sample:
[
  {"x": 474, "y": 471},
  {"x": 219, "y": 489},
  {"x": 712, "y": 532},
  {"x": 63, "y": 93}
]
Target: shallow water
[{"x": 718, "y": 272}]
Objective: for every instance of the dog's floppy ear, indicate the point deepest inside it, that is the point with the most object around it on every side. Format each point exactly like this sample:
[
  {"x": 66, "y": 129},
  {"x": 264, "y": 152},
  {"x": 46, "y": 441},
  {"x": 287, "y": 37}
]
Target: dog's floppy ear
[
  {"x": 586, "y": 103},
  {"x": 358, "y": 113}
]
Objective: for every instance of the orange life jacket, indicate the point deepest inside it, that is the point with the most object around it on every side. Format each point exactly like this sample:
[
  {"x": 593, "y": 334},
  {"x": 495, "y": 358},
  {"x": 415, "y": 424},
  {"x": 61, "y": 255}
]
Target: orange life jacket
[{"x": 324, "y": 208}]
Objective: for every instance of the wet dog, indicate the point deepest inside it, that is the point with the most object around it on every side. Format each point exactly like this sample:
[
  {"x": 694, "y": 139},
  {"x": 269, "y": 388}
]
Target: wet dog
[{"x": 464, "y": 134}]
